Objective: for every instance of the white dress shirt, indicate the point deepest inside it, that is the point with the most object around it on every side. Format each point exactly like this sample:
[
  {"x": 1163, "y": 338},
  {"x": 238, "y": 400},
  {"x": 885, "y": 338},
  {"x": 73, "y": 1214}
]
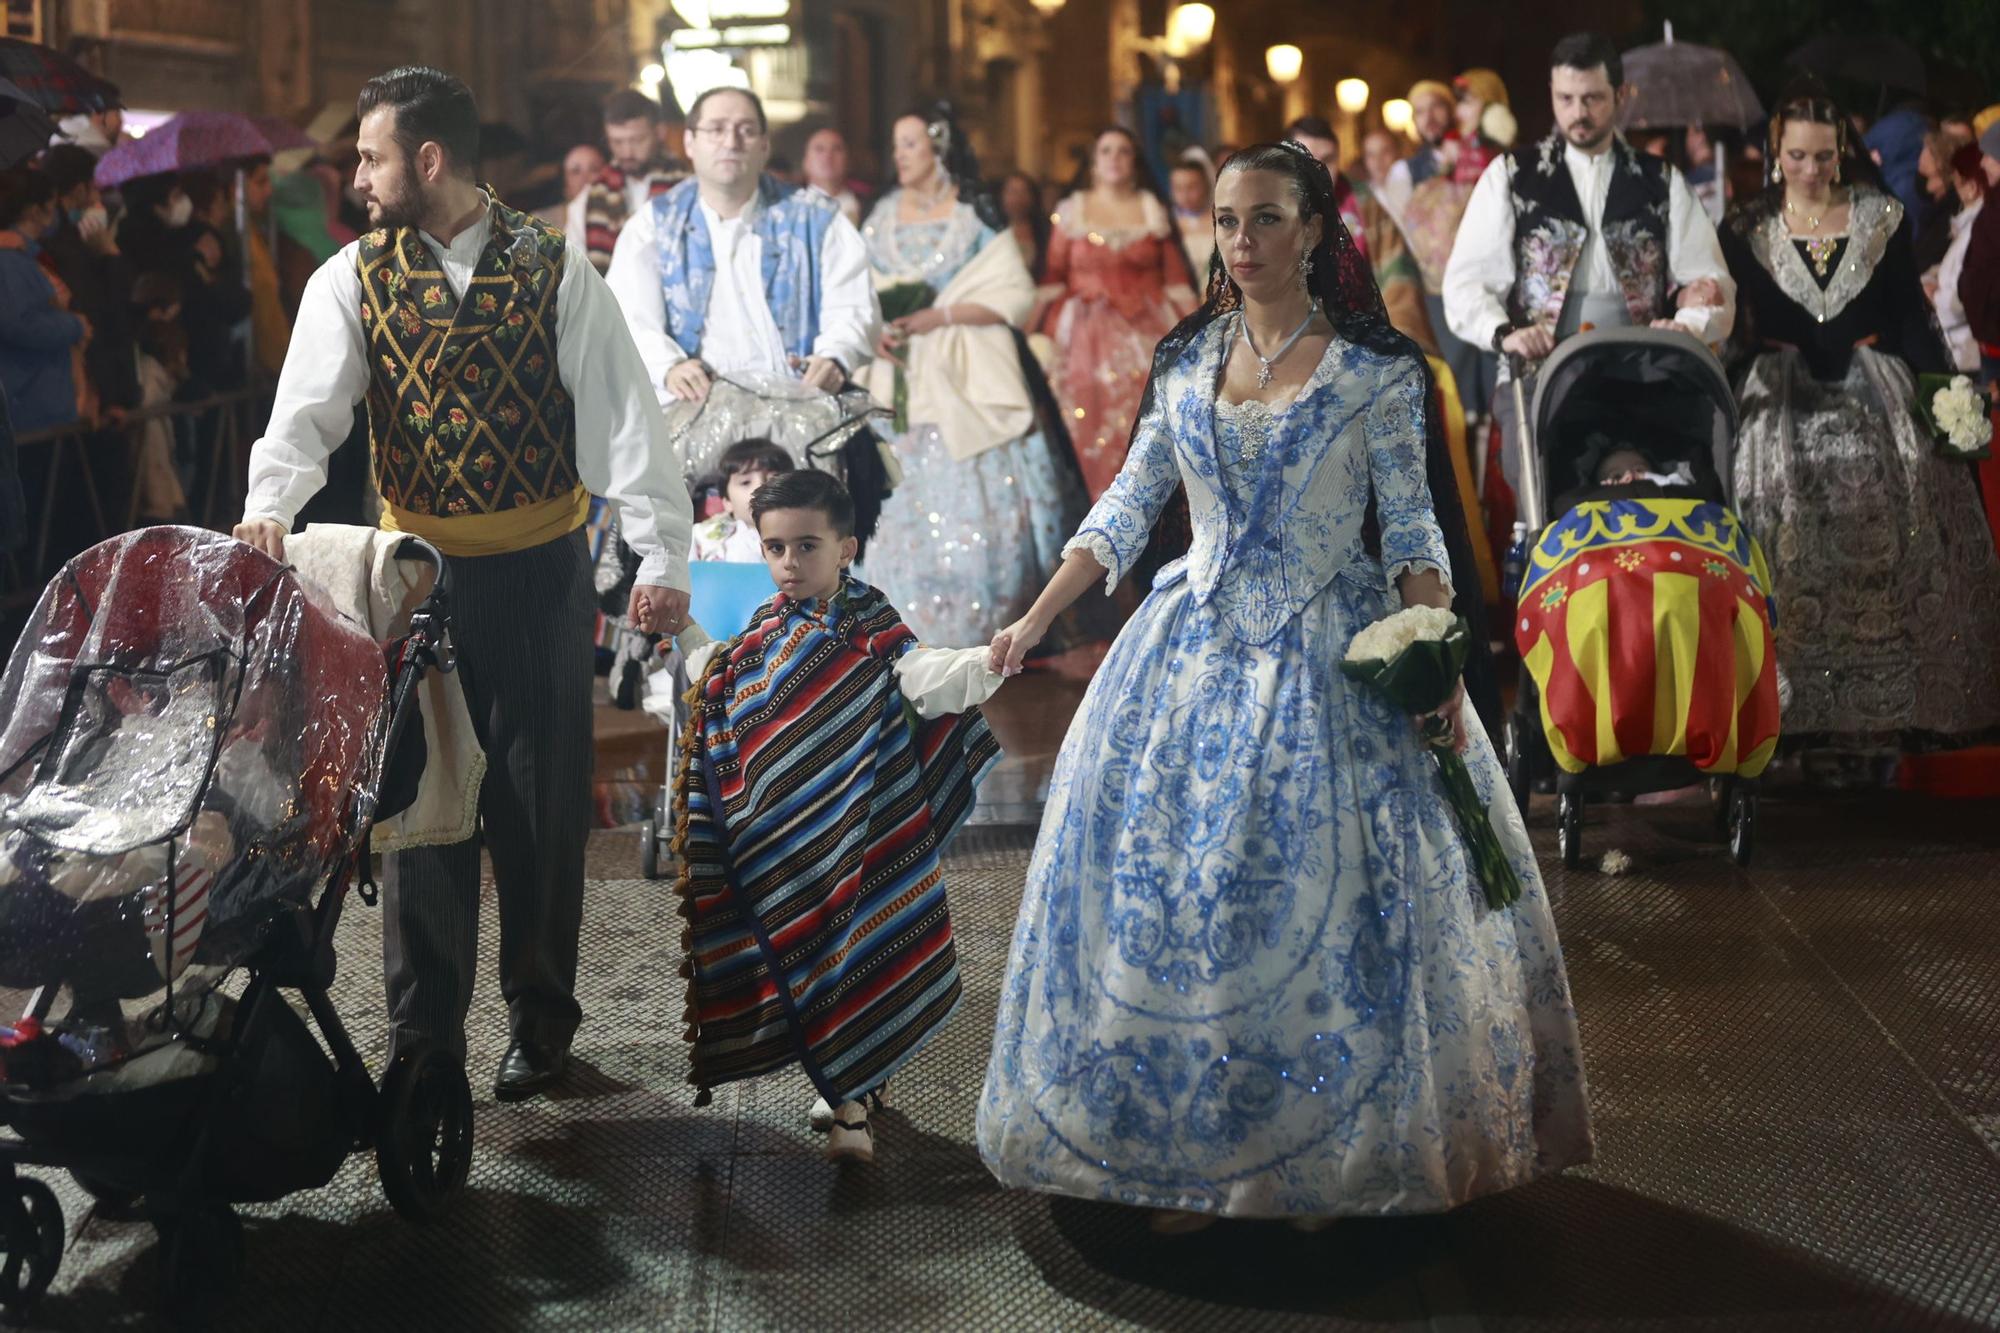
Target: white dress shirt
[
  {"x": 740, "y": 333},
  {"x": 1481, "y": 272},
  {"x": 1950, "y": 310},
  {"x": 623, "y": 450}
]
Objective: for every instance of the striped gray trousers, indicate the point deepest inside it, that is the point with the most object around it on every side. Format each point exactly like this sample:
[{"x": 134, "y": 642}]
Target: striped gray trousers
[{"x": 521, "y": 623}]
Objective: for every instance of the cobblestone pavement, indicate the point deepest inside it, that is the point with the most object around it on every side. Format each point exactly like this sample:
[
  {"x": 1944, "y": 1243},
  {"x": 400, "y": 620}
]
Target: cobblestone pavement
[{"x": 1795, "y": 1073}]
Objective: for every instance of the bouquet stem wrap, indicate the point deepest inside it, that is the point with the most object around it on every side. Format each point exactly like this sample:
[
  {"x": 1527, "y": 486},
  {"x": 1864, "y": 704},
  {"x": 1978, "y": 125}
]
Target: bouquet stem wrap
[
  {"x": 905, "y": 298},
  {"x": 1419, "y": 679}
]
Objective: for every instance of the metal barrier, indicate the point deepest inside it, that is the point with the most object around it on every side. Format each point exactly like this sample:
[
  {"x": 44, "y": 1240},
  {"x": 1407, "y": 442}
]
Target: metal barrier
[{"x": 225, "y": 425}]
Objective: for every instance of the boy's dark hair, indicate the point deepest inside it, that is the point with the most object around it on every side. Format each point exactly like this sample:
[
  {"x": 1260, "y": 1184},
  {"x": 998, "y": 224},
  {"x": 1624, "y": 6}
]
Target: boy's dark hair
[
  {"x": 1586, "y": 51},
  {"x": 805, "y": 488},
  {"x": 430, "y": 106},
  {"x": 754, "y": 455}
]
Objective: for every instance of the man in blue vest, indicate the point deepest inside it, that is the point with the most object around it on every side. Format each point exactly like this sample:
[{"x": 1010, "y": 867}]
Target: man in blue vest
[{"x": 736, "y": 271}]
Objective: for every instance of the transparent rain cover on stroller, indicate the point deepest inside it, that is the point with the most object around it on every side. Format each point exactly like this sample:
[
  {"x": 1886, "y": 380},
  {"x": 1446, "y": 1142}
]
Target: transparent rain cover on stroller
[
  {"x": 813, "y": 427},
  {"x": 186, "y": 734}
]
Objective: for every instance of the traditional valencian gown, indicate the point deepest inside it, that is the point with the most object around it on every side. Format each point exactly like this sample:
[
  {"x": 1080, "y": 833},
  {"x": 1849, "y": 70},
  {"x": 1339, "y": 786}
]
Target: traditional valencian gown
[
  {"x": 1254, "y": 972},
  {"x": 1115, "y": 292},
  {"x": 976, "y": 526},
  {"x": 1884, "y": 572}
]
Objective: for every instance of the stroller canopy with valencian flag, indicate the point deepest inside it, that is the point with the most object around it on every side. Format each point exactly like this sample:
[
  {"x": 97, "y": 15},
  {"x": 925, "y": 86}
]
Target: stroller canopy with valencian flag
[
  {"x": 1646, "y": 622},
  {"x": 187, "y": 741}
]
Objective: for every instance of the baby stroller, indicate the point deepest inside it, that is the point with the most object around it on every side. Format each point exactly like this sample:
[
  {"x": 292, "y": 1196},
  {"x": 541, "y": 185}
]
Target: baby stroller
[
  {"x": 194, "y": 754},
  {"x": 831, "y": 432},
  {"x": 1644, "y": 617}
]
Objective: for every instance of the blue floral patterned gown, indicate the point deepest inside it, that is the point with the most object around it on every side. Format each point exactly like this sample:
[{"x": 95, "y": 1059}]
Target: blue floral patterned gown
[
  {"x": 963, "y": 546},
  {"x": 1253, "y": 973}
]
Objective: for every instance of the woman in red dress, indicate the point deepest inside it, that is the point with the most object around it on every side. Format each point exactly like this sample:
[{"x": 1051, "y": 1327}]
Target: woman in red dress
[{"x": 1117, "y": 282}]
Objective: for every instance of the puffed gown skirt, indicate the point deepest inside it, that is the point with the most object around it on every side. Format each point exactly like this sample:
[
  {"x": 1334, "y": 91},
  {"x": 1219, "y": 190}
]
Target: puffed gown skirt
[{"x": 1253, "y": 972}]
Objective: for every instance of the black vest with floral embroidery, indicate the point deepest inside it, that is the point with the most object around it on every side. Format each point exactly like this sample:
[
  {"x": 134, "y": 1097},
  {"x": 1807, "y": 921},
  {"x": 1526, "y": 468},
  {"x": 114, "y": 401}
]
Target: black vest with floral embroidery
[
  {"x": 1550, "y": 231},
  {"x": 467, "y": 413}
]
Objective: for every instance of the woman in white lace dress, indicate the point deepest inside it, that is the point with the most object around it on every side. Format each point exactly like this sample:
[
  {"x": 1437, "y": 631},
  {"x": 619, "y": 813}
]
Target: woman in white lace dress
[{"x": 1254, "y": 973}]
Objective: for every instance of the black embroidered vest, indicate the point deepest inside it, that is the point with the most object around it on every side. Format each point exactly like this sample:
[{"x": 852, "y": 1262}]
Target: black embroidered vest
[
  {"x": 472, "y": 432},
  {"x": 1550, "y": 232}
]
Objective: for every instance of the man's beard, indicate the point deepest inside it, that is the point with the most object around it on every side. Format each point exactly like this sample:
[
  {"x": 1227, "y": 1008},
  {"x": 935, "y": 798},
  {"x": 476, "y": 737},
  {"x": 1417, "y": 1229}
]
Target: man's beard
[
  {"x": 407, "y": 210},
  {"x": 1598, "y": 134}
]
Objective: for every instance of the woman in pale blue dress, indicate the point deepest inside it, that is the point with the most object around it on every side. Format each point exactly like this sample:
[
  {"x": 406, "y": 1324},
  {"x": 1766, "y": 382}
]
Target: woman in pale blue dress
[
  {"x": 1254, "y": 974},
  {"x": 977, "y": 524}
]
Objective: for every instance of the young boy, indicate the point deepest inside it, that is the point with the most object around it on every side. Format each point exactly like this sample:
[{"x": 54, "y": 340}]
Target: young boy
[
  {"x": 827, "y": 761},
  {"x": 732, "y": 534}
]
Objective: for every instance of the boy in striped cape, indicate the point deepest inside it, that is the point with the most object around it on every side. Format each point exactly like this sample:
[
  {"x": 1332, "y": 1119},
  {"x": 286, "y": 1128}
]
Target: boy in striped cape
[{"x": 827, "y": 759}]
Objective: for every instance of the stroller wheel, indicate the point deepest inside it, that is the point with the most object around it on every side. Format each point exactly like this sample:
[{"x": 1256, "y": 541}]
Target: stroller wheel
[
  {"x": 423, "y": 1139},
  {"x": 1569, "y": 829},
  {"x": 34, "y": 1245},
  {"x": 201, "y": 1258},
  {"x": 649, "y": 849},
  {"x": 1742, "y": 823}
]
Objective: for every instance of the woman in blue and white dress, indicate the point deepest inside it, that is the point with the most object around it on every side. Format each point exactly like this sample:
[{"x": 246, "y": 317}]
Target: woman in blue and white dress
[
  {"x": 976, "y": 526},
  {"x": 1254, "y": 974}
]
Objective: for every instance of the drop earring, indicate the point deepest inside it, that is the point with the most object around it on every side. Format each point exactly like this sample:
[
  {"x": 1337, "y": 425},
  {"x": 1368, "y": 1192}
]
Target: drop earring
[{"x": 1777, "y": 174}]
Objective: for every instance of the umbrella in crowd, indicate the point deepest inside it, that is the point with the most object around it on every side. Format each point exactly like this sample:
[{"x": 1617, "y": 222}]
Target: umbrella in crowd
[
  {"x": 182, "y": 143},
  {"x": 24, "y": 127},
  {"x": 1678, "y": 83},
  {"x": 52, "y": 80},
  {"x": 282, "y": 134}
]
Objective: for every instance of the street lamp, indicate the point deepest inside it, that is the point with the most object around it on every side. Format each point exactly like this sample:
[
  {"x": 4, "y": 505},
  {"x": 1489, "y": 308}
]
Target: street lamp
[
  {"x": 1351, "y": 96},
  {"x": 1189, "y": 29},
  {"x": 1397, "y": 115},
  {"x": 1285, "y": 62}
]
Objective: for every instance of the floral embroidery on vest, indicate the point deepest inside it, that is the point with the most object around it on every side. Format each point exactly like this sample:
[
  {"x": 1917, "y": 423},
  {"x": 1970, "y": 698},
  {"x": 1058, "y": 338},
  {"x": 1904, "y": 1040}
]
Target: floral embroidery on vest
[{"x": 468, "y": 414}]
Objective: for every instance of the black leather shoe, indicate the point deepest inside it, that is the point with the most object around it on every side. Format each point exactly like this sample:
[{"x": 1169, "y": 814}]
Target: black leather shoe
[{"x": 527, "y": 1069}]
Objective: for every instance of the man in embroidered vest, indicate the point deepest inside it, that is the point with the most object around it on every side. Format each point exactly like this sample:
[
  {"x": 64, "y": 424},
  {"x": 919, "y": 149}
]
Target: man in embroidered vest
[
  {"x": 642, "y": 167},
  {"x": 737, "y": 271},
  {"x": 1580, "y": 231},
  {"x": 502, "y": 391}
]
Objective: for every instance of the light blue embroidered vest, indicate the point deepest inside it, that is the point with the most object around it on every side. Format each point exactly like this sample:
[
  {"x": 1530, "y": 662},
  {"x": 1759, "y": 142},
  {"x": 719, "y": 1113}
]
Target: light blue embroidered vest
[{"x": 790, "y": 222}]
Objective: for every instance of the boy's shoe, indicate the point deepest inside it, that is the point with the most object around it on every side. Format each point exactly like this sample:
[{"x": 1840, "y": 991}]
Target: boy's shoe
[
  {"x": 851, "y": 1139},
  {"x": 821, "y": 1116}
]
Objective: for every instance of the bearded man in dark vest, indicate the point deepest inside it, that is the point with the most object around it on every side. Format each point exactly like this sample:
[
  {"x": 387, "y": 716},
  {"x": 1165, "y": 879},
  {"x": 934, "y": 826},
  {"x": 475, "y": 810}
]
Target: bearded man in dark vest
[
  {"x": 1581, "y": 231},
  {"x": 503, "y": 390}
]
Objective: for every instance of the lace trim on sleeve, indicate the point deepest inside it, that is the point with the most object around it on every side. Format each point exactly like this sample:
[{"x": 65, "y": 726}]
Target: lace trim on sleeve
[{"x": 1100, "y": 550}]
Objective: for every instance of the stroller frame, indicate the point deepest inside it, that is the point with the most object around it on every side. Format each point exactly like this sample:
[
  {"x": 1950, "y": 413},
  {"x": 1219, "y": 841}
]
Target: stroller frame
[
  {"x": 418, "y": 1121},
  {"x": 1528, "y": 758}
]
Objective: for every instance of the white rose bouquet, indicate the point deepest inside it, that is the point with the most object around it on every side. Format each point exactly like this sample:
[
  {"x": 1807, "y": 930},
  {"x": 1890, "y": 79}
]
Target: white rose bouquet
[
  {"x": 1414, "y": 658},
  {"x": 1957, "y": 414}
]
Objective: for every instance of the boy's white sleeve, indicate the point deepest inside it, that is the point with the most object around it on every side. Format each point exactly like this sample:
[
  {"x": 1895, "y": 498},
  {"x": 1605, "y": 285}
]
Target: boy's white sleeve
[{"x": 943, "y": 681}]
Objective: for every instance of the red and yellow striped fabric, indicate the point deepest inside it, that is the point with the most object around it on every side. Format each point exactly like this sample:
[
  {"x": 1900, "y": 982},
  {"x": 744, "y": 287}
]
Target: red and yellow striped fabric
[{"x": 1646, "y": 625}]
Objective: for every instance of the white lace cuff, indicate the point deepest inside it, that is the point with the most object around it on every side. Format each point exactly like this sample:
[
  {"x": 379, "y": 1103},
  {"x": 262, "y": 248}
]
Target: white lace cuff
[
  {"x": 1402, "y": 567},
  {"x": 1101, "y": 551}
]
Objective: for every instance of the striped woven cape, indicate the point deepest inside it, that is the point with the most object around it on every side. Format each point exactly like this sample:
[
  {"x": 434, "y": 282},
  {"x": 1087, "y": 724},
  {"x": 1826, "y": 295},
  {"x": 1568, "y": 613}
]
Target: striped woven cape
[{"x": 821, "y": 871}]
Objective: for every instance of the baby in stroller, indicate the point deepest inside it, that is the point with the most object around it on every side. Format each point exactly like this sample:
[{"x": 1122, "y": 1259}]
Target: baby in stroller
[
  {"x": 1644, "y": 617},
  {"x": 194, "y": 749}
]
